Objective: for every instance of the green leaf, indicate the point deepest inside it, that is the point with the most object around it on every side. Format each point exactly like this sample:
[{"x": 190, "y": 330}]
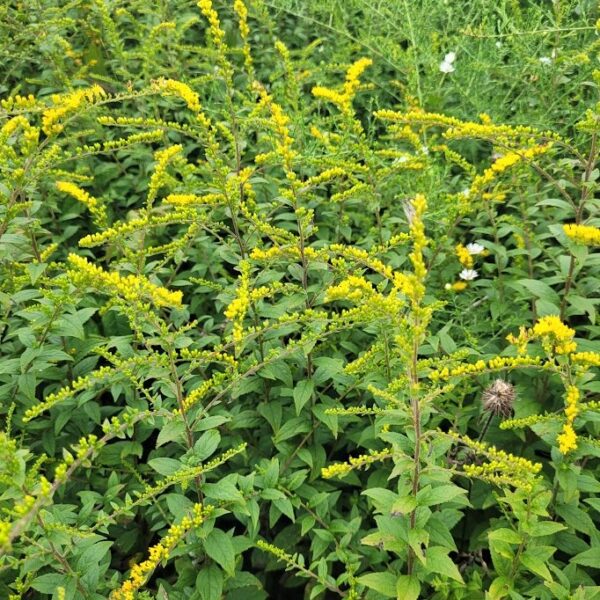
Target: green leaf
[
  {"x": 382, "y": 499},
  {"x": 404, "y": 505},
  {"x": 503, "y": 534},
  {"x": 219, "y": 547},
  {"x": 165, "y": 466},
  {"x": 207, "y": 444},
  {"x": 91, "y": 557},
  {"x": 210, "y": 583},
  {"x": 542, "y": 528},
  {"x": 588, "y": 558},
  {"x": 440, "y": 495},
  {"x": 285, "y": 506},
  {"x": 438, "y": 561},
  {"x": 224, "y": 490},
  {"x": 303, "y": 393},
  {"x": 171, "y": 431},
  {"x": 536, "y": 565},
  {"x": 384, "y": 583},
  {"x": 407, "y": 587},
  {"x": 48, "y": 583},
  {"x": 499, "y": 588},
  {"x": 540, "y": 290},
  {"x": 210, "y": 422}
]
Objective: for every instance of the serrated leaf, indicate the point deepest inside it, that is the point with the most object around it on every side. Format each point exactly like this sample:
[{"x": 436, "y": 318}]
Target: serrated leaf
[
  {"x": 438, "y": 561},
  {"x": 382, "y": 499},
  {"x": 384, "y": 583},
  {"x": 207, "y": 444},
  {"x": 440, "y": 495},
  {"x": 408, "y": 587},
  {"x": 588, "y": 558},
  {"x": 210, "y": 583},
  {"x": 503, "y": 534},
  {"x": 545, "y": 528},
  {"x": 171, "y": 431},
  {"x": 219, "y": 547},
  {"x": 165, "y": 466},
  {"x": 91, "y": 557},
  {"x": 303, "y": 392},
  {"x": 535, "y": 564}
]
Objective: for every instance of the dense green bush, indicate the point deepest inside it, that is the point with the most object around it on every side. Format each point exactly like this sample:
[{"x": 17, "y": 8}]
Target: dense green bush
[{"x": 299, "y": 299}]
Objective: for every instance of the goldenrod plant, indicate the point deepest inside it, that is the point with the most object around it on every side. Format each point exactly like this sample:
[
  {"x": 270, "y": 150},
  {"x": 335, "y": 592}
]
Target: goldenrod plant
[{"x": 296, "y": 306}]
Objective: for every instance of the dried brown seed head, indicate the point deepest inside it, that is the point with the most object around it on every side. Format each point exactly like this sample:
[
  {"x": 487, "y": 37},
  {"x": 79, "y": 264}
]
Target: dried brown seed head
[{"x": 498, "y": 398}]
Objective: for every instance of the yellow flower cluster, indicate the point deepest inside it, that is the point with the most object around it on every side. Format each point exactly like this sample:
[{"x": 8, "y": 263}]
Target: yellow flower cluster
[
  {"x": 583, "y": 234},
  {"x": 28, "y": 140},
  {"x": 326, "y": 176},
  {"x": 242, "y": 12},
  {"x": 356, "y": 462},
  {"x": 19, "y": 102},
  {"x": 417, "y": 232},
  {"x": 238, "y": 307},
  {"x": 457, "y": 129},
  {"x": 567, "y": 440},
  {"x": 120, "y": 229},
  {"x": 162, "y": 157},
  {"x": 194, "y": 200},
  {"x": 494, "y": 364},
  {"x": 353, "y": 288},
  {"x": 182, "y": 90},
  {"x": 503, "y": 468},
  {"x": 84, "y": 382},
  {"x": 67, "y": 104},
  {"x": 95, "y": 207},
  {"x": 216, "y": 33},
  {"x": 464, "y": 256},
  {"x": 184, "y": 475},
  {"x": 131, "y": 287},
  {"x": 555, "y": 335},
  {"x": 504, "y": 163},
  {"x": 160, "y": 552},
  {"x": 284, "y": 143},
  {"x": 526, "y": 421},
  {"x": 343, "y": 100},
  {"x": 457, "y": 286},
  {"x": 591, "y": 359},
  {"x": 198, "y": 393}
]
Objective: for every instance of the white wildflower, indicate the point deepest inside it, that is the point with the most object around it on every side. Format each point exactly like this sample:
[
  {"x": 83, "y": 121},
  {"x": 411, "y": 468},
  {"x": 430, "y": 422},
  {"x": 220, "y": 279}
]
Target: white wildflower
[
  {"x": 468, "y": 274},
  {"x": 475, "y": 248},
  {"x": 447, "y": 66},
  {"x": 545, "y": 60}
]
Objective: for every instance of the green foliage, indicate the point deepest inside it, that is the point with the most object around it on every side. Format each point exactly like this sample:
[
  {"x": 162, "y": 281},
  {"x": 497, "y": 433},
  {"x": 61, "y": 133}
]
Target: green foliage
[{"x": 285, "y": 309}]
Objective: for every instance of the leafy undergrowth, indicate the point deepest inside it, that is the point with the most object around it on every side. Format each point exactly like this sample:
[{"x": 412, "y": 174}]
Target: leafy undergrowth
[{"x": 296, "y": 307}]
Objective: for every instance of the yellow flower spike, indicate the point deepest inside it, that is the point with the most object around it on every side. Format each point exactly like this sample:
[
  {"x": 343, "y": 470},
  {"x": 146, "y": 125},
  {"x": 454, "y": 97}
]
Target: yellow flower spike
[
  {"x": 353, "y": 288},
  {"x": 239, "y": 306},
  {"x": 242, "y": 13},
  {"x": 157, "y": 179},
  {"x": 216, "y": 32},
  {"x": 567, "y": 440},
  {"x": 591, "y": 359},
  {"x": 583, "y": 234},
  {"x": 66, "y": 104},
  {"x": 343, "y": 100},
  {"x": 556, "y": 337},
  {"x": 182, "y": 90},
  {"x": 140, "y": 573},
  {"x": 132, "y": 288},
  {"x": 94, "y": 206},
  {"x": 356, "y": 462}
]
